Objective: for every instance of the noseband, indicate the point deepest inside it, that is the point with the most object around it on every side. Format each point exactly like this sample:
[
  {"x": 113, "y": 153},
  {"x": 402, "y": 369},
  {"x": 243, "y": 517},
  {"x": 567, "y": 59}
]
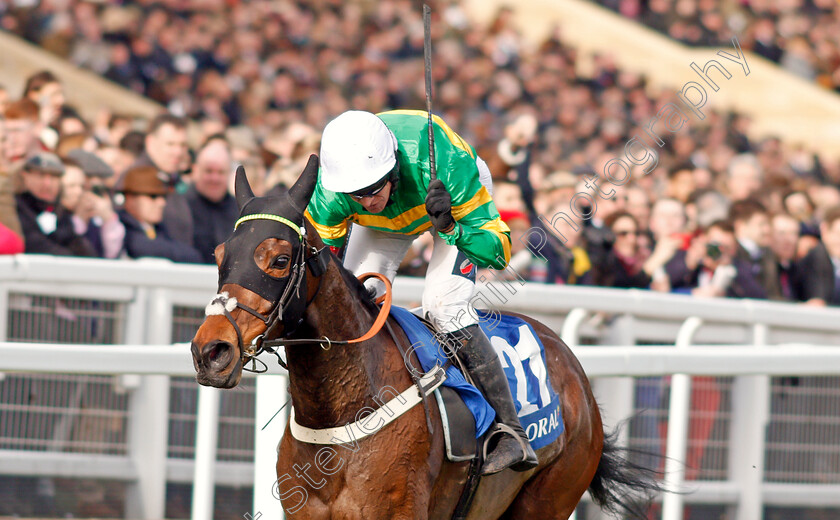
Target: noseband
[{"x": 290, "y": 303}]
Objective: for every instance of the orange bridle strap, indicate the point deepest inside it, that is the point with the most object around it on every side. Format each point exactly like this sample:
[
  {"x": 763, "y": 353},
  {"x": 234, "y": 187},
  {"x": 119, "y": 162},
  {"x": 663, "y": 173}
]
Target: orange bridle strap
[{"x": 384, "y": 310}]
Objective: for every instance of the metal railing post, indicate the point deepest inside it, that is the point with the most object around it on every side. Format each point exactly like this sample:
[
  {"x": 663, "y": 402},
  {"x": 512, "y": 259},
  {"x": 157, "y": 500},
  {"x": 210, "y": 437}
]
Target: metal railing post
[
  {"x": 206, "y": 439},
  {"x": 571, "y": 326},
  {"x": 750, "y": 415},
  {"x": 149, "y": 322},
  {"x": 147, "y": 435},
  {"x": 677, "y": 440},
  {"x": 269, "y": 426},
  {"x": 615, "y": 395}
]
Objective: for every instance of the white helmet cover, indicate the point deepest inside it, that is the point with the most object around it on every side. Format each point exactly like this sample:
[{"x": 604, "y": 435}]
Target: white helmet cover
[{"x": 357, "y": 150}]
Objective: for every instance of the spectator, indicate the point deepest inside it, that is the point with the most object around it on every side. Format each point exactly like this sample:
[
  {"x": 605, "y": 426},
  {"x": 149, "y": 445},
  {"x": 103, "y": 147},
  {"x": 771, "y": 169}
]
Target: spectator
[
  {"x": 744, "y": 176},
  {"x": 800, "y": 206},
  {"x": 165, "y": 148},
  {"x": 22, "y": 130},
  {"x": 11, "y": 240},
  {"x": 668, "y": 219},
  {"x": 165, "y": 145},
  {"x": 86, "y": 195},
  {"x": 507, "y": 196},
  {"x": 521, "y": 259},
  {"x": 44, "y": 89},
  {"x": 680, "y": 182},
  {"x": 820, "y": 283},
  {"x": 764, "y": 36},
  {"x": 706, "y": 206},
  {"x": 47, "y": 226},
  {"x": 559, "y": 188},
  {"x": 117, "y": 160},
  {"x": 145, "y": 189},
  {"x": 4, "y": 99},
  {"x": 753, "y": 234},
  {"x": 117, "y": 127},
  {"x": 798, "y": 58},
  {"x": 560, "y": 250},
  {"x": 134, "y": 144},
  {"x": 8, "y": 207},
  {"x": 626, "y": 264},
  {"x": 637, "y": 203},
  {"x": 68, "y": 142},
  {"x": 709, "y": 267},
  {"x": 71, "y": 123},
  {"x": 785, "y": 233},
  {"x": 515, "y": 152},
  {"x": 214, "y": 210}
]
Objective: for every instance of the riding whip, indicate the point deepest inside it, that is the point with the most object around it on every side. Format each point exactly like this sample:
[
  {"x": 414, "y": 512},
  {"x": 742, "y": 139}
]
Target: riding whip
[{"x": 427, "y": 56}]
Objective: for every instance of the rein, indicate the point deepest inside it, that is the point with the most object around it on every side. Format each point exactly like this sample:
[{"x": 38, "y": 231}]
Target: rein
[{"x": 384, "y": 310}]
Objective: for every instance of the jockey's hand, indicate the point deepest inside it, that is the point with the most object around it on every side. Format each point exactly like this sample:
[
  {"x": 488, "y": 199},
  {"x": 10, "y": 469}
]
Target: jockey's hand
[{"x": 439, "y": 207}]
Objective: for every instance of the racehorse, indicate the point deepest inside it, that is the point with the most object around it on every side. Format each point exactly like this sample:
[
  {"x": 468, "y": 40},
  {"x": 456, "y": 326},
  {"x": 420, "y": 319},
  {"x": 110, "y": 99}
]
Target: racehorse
[{"x": 277, "y": 282}]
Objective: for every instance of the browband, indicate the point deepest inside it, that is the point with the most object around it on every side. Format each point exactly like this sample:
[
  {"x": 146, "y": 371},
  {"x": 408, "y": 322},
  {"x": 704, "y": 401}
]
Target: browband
[{"x": 268, "y": 216}]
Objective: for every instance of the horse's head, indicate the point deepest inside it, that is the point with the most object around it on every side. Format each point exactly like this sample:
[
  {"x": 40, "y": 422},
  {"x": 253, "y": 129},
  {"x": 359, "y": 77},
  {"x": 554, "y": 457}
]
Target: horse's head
[{"x": 262, "y": 279}]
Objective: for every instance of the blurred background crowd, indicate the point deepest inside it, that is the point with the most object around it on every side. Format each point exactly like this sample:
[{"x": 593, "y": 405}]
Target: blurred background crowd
[
  {"x": 802, "y": 36},
  {"x": 255, "y": 82}
]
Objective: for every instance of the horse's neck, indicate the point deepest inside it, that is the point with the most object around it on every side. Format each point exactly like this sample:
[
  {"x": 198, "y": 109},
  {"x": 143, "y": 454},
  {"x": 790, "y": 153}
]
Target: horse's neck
[{"x": 328, "y": 387}]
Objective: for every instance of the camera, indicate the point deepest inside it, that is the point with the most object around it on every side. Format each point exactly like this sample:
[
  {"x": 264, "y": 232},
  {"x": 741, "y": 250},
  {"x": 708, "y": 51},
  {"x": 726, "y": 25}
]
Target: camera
[
  {"x": 99, "y": 190},
  {"x": 713, "y": 250}
]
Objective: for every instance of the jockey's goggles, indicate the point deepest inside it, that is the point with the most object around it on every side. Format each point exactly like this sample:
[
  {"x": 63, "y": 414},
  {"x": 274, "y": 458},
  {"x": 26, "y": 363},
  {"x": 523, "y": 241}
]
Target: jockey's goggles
[{"x": 372, "y": 190}]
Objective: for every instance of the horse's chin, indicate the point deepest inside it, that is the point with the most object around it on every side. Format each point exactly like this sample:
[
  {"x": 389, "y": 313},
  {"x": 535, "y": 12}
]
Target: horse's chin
[{"x": 220, "y": 379}]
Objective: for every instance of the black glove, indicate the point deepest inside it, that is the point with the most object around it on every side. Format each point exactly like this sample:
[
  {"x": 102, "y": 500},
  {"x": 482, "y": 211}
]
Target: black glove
[{"x": 439, "y": 207}]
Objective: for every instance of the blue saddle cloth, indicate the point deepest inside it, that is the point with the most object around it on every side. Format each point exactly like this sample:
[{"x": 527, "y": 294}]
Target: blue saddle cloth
[{"x": 523, "y": 358}]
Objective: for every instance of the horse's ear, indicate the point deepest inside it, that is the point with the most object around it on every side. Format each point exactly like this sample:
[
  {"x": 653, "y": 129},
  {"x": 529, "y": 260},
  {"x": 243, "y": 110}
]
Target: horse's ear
[
  {"x": 242, "y": 188},
  {"x": 303, "y": 188}
]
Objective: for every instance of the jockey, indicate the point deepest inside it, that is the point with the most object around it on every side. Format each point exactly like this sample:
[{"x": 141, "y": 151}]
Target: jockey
[{"x": 375, "y": 173}]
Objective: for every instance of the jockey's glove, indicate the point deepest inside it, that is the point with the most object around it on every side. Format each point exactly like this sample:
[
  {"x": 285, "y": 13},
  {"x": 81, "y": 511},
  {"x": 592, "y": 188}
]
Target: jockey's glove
[{"x": 439, "y": 207}]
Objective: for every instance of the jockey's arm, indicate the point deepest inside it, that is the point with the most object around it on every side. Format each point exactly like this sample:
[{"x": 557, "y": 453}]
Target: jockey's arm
[
  {"x": 484, "y": 239},
  {"x": 479, "y": 231}
]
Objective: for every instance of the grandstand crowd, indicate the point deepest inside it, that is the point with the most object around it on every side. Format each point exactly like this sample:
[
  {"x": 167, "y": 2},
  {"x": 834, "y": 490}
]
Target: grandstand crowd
[
  {"x": 721, "y": 215},
  {"x": 802, "y": 36}
]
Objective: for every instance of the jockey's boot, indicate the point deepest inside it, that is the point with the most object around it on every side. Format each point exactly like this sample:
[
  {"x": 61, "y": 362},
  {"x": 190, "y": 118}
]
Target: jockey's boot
[{"x": 481, "y": 361}]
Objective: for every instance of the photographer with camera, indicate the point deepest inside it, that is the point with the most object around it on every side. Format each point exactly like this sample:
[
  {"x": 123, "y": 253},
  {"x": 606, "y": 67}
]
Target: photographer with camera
[
  {"x": 84, "y": 193},
  {"x": 709, "y": 267}
]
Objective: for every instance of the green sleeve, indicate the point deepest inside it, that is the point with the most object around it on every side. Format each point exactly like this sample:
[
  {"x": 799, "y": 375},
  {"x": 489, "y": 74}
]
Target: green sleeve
[
  {"x": 482, "y": 235},
  {"x": 329, "y": 213}
]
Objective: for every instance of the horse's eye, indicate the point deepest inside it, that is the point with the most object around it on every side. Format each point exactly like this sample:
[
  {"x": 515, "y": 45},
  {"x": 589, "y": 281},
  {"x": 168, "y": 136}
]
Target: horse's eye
[{"x": 281, "y": 262}]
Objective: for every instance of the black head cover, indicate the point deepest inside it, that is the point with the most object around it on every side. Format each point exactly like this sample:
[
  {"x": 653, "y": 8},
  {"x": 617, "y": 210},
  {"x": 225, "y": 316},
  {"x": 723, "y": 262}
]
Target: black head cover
[{"x": 238, "y": 266}]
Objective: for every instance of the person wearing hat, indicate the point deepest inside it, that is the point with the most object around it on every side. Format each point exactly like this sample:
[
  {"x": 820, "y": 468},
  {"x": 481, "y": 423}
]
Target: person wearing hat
[
  {"x": 165, "y": 148},
  {"x": 84, "y": 193},
  {"x": 375, "y": 173},
  {"x": 145, "y": 189},
  {"x": 47, "y": 226}
]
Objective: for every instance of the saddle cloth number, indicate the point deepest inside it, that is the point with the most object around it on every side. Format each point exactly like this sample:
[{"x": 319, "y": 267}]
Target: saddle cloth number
[{"x": 513, "y": 358}]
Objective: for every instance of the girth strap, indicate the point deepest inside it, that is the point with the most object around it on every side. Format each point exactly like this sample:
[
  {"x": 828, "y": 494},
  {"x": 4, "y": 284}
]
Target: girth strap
[{"x": 374, "y": 422}]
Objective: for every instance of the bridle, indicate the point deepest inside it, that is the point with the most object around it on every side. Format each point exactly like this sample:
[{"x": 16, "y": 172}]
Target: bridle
[{"x": 290, "y": 305}]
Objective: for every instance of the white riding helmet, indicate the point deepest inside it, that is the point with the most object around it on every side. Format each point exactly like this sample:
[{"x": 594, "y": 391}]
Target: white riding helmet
[{"x": 357, "y": 150}]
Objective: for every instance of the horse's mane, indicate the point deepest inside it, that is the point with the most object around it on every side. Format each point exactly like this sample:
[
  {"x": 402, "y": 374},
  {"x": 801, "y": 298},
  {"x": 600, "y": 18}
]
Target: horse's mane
[{"x": 357, "y": 288}]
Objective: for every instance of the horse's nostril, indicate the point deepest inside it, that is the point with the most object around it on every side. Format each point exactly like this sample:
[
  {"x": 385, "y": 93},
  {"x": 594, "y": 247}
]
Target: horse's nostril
[{"x": 218, "y": 352}]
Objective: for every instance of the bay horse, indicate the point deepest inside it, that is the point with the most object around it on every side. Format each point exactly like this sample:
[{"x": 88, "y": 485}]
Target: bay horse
[{"x": 276, "y": 280}]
